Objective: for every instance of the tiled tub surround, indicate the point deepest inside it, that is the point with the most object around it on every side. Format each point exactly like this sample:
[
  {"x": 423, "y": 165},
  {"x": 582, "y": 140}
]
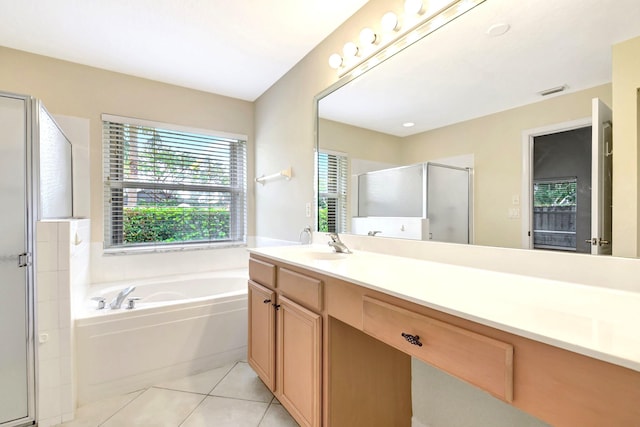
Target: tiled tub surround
[
  {"x": 181, "y": 325},
  {"x": 62, "y": 269}
]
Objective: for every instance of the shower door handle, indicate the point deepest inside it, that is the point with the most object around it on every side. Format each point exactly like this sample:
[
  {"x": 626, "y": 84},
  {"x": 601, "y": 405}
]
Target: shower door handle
[{"x": 24, "y": 259}]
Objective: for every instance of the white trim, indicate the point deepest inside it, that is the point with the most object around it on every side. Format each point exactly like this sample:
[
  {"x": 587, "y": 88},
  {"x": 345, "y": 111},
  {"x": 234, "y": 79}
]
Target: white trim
[
  {"x": 527, "y": 169},
  {"x": 170, "y": 126}
]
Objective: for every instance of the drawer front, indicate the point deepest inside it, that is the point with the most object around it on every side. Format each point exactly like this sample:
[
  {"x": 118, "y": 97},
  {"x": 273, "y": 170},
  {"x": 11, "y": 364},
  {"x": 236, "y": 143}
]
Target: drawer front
[
  {"x": 262, "y": 272},
  {"x": 479, "y": 360},
  {"x": 303, "y": 289}
]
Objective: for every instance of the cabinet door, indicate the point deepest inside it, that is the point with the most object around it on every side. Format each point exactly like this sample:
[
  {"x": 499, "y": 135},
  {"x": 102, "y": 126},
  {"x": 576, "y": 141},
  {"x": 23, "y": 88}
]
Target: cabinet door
[
  {"x": 262, "y": 330},
  {"x": 299, "y": 362}
]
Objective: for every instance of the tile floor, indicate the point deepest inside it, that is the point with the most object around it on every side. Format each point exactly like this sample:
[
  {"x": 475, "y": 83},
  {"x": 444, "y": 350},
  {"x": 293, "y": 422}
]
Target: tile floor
[{"x": 230, "y": 396}]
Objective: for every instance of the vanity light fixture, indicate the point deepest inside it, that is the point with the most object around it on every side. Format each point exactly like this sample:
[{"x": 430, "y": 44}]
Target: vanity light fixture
[
  {"x": 417, "y": 23},
  {"x": 335, "y": 61},
  {"x": 413, "y": 7},
  {"x": 390, "y": 22}
]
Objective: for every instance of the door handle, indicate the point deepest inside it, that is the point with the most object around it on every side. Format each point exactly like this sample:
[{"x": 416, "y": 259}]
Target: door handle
[
  {"x": 24, "y": 259},
  {"x": 597, "y": 241}
]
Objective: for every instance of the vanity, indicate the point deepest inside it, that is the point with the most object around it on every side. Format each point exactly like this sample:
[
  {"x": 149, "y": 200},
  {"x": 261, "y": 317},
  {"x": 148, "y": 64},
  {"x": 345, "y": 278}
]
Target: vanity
[{"x": 332, "y": 335}]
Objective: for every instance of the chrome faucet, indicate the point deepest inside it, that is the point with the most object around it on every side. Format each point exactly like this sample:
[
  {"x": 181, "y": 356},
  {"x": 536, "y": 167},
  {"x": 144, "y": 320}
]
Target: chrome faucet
[
  {"x": 337, "y": 244},
  {"x": 119, "y": 299},
  {"x": 373, "y": 233}
]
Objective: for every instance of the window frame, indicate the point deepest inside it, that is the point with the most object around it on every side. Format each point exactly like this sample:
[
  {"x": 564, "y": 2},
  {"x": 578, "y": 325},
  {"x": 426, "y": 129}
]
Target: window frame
[{"x": 237, "y": 189}]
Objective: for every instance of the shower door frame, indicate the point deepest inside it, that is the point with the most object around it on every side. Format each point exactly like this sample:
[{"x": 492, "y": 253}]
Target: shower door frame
[{"x": 31, "y": 106}]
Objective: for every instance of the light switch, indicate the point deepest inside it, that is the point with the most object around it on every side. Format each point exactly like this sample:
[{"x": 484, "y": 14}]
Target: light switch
[
  {"x": 308, "y": 209},
  {"x": 515, "y": 199}
]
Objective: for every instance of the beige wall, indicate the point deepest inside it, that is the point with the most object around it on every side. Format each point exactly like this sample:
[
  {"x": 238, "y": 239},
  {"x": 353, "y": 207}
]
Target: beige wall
[
  {"x": 284, "y": 128},
  {"x": 359, "y": 143},
  {"x": 626, "y": 157},
  {"x": 80, "y": 91},
  {"x": 496, "y": 143}
]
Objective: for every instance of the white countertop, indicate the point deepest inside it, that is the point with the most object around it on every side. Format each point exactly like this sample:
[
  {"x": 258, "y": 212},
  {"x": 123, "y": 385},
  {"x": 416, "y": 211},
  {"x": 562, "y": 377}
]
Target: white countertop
[{"x": 598, "y": 322}]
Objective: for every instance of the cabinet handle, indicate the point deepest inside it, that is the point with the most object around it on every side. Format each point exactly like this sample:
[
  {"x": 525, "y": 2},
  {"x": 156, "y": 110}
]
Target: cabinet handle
[
  {"x": 412, "y": 339},
  {"x": 267, "y": 301},
  {"x": 277, "y": 306}
]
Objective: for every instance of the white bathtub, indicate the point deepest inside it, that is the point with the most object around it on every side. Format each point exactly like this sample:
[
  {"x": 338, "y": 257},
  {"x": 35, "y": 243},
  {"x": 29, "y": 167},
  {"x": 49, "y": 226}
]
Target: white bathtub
[{"x": 182, "y": 325}]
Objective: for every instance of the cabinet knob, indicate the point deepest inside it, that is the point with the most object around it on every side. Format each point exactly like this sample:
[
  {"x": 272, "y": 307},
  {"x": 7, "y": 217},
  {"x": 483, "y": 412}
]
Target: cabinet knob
[
  {"x": 412, "y": 339},
  {"x": 267, "y": 301},
  {"x": 277, "y": 306}
]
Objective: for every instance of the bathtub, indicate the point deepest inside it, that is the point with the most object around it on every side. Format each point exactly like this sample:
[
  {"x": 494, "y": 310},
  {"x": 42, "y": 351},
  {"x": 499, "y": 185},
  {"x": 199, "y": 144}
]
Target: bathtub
[{"x": 181, "y": 325}]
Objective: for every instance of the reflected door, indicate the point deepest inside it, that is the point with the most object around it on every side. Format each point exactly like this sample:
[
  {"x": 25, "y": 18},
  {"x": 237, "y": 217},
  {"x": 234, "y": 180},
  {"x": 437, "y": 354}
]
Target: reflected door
[
  {"x": 601, "y": 183},
  {"x": 14, "y": 335}
]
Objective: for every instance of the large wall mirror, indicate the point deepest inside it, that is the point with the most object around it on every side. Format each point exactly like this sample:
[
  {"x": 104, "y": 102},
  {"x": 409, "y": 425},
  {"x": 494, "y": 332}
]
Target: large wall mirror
[{"x": 505, "y": 91}]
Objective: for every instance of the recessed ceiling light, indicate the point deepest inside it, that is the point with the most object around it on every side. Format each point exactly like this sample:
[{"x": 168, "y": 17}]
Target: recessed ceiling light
[
  {"x": 498, "y": 29},
  {"x": 408, "y": 124}
]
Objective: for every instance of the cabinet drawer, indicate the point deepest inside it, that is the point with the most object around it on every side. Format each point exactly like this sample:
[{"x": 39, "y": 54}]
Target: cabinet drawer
[
  {"x": 262, "y": 272},
  {"x": 479, "y": 360},
  {"x": 300, "y": 288}
]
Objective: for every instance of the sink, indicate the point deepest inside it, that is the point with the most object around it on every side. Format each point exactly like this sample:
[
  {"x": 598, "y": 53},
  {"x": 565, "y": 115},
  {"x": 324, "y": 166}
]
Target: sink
[{"x": 323, "y": 256}]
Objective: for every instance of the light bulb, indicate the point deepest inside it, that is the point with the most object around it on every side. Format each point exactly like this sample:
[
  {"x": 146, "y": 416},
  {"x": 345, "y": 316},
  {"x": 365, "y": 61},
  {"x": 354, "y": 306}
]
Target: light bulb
[
  {"x": 367, "y": 37},
  {"x": 413, "y": 7},
  {"x": 350, "y": 50},
  {"x": 335, "y": 61},
  {"x": 390, "y": 22}
]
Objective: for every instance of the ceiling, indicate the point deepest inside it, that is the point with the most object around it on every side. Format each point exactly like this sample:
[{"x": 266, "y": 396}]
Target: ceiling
[
  {"x": 459, "y": 72},
  {"x": 236, "y": 48}
]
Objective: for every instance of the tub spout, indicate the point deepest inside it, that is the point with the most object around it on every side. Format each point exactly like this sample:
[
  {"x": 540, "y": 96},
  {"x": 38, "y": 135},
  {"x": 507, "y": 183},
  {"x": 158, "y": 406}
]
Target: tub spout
[{"x": 119, "y": 299}]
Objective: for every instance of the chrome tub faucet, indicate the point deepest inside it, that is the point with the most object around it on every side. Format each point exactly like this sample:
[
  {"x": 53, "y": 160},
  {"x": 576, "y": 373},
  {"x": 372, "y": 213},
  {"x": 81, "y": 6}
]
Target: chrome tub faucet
[
  {"x": 119, "y": 299},
  {"x": 337, "y": 244}
]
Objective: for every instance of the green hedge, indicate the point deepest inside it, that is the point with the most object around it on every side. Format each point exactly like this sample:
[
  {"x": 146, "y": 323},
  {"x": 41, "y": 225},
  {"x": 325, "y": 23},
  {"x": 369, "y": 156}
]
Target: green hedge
[{"x": 174, "y": 224}]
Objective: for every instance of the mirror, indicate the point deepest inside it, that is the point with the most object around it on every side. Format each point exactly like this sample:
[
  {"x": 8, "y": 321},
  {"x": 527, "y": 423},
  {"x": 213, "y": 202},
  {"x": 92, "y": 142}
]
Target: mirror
[{"x": 472, "y": 95}]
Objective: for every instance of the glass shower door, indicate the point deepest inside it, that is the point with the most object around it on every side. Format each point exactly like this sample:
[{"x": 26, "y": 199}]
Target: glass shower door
[
  {"x": 448, "y": 194},
  {"x": 14, "y": 325}
]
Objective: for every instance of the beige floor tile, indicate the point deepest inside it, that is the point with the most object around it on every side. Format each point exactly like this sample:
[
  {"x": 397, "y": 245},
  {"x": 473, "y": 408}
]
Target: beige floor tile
[
  {"x": 243, "y": 383},
  {"x": 201, "y": 383},
  {"x": 156, "y": 407},
  {"x": 224, "y": 412},
  {"x": 277, "y": 416},
  {"x": 96, "y": 413}
]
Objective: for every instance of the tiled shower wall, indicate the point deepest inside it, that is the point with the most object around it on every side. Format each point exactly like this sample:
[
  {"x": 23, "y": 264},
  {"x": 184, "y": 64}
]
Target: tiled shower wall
[{"x": 62, "y": 272}]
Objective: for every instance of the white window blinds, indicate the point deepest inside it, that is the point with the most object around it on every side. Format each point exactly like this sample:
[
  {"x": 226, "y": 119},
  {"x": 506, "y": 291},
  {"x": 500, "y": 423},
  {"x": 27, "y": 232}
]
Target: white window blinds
[
  {"x": 165, "y": 187},
  {"x": 332, "y": 192}
]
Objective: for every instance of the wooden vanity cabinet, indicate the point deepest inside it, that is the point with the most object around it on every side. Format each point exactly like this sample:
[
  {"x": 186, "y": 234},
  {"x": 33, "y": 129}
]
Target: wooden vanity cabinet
[
  {"x": 262, "y": 333},
  {"x": 340, "y": 358},
  {"x": 285, "y": 338},
  {"x": 299, "y": 361}
]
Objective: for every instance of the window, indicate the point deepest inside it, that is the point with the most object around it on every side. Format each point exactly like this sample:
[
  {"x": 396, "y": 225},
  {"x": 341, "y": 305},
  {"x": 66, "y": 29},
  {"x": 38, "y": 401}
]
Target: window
[
  {"x": 165, "y": 185},
  {"x": 554, "y": 213},
  {"x": 332, "y": 192}
]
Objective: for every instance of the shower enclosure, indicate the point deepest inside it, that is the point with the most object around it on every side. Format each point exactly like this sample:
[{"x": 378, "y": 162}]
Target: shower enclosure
[
  {"x": 35, "y": 183},
  {"x": 424, "y": 201}
]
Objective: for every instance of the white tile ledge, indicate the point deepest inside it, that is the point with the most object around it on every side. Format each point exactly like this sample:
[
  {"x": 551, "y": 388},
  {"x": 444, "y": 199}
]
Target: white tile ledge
[{"x": 594, "y": 321}]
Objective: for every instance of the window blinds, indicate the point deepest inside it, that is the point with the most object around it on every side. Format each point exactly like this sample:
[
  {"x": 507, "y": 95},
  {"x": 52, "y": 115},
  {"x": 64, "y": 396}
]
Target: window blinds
[
  {"x": 165, "y": 187},
  {"x": 332, "y": 192}
]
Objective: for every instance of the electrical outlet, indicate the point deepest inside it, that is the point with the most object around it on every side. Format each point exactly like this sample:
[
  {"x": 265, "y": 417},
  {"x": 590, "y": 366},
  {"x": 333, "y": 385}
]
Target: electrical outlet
[
  {"x": 514, "y": 213},
  {"x": 308, "y": 209}
]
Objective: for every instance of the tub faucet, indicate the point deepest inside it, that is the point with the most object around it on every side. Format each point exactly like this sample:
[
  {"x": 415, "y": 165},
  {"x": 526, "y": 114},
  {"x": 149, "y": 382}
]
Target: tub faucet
[
  {"x": 337, "y": 244},
  {"x": 119, "y": 299}
]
